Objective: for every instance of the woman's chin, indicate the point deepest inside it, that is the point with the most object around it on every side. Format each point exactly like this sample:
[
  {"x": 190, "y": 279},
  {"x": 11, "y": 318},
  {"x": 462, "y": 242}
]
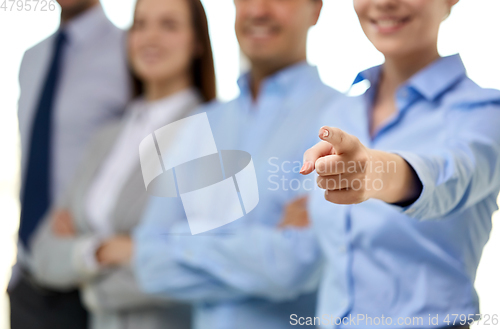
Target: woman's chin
[
  {"x": 151, "y": 76},
  {"x": 391, "y": 48}
]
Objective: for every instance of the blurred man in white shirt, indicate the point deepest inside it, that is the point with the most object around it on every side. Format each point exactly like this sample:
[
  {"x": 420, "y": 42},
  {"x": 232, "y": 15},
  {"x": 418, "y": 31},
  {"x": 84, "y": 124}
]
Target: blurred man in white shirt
[{"x": 72, "y": 83}]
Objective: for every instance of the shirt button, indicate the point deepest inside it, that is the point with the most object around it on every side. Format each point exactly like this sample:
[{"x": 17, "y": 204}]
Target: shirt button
[
  {"x": 342, "y": 249},
  {"x": 404, "y": 93},
  {"x": 410, "y": 211}
]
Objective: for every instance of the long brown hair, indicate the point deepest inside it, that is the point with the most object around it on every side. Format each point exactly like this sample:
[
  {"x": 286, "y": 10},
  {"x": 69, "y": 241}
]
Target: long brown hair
[{"x": 202, "y": 67}]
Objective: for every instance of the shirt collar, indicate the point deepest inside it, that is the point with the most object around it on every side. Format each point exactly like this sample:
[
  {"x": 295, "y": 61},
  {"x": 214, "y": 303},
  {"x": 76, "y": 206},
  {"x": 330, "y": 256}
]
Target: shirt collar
[
  {"x": 165, "y": 107},
  {"x": 86, "y": 26},
  {"x": 438, "y": 77},
  {"x": 431, "y": 82},
  {"x": 283, "y": 80},
  {"x": 372, "y": 75}
]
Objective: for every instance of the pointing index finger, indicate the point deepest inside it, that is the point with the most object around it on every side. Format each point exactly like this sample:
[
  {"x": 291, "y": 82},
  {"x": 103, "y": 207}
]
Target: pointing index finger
[{"x": 341, "y": 141}]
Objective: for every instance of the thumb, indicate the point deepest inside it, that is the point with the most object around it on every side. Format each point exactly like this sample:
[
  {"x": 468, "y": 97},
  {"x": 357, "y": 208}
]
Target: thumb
[{"x": 341, "y": 141}]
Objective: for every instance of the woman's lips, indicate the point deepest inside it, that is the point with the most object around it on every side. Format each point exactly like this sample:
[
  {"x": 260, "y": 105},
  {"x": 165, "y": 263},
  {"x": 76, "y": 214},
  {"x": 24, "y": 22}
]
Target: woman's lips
[{"x": 389, "y": 25}]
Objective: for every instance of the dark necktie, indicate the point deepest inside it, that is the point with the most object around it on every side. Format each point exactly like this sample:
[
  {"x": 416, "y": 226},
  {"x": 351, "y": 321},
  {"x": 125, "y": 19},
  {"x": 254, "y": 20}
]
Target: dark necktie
[{"x": 35, "y": 198}]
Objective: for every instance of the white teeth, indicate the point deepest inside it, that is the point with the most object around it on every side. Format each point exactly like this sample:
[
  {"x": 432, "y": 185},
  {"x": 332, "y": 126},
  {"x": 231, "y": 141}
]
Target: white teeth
[
  {"x": 260, "y": 32},
  {"x": 388, "y": 23}
]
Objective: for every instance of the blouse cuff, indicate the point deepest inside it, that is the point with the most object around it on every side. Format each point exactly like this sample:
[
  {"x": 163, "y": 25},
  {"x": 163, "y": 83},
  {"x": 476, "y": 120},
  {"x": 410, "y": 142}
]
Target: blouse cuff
[
  {"x": 84, "y": 255},
  {"x": 420, "y": 209}
]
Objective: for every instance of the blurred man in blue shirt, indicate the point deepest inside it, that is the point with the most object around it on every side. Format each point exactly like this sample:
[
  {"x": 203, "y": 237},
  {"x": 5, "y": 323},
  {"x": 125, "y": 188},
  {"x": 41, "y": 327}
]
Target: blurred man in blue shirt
[{"x": 254, "y": 272}]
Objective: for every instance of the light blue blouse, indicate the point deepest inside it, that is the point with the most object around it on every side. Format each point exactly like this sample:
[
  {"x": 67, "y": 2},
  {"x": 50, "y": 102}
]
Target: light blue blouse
[{"x": 420, "y": 261}]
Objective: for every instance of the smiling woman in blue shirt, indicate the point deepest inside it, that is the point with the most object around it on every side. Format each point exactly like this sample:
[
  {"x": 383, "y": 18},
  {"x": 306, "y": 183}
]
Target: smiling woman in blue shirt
[{"x": 411, "y": 170}]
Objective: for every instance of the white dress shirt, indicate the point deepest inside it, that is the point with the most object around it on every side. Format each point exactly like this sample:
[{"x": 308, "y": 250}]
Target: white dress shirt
[
  {"x": 141, "y": 120},
  {"x": 93, "y": 90}
]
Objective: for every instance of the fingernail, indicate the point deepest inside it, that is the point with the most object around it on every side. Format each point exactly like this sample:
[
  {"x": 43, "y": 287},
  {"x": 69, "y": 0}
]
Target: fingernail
[
  {"x": 305, "y": 167},
  {"x": 325, "y": 133}
]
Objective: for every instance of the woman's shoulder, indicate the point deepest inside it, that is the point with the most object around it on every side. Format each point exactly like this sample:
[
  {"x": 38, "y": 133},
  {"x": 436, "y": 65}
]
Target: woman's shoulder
[{"x": 467, "y": 95}]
